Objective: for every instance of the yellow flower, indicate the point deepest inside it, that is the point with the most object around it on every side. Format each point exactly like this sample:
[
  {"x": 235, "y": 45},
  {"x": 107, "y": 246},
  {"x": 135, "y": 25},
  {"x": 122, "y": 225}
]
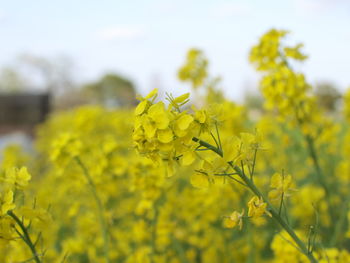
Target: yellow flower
[
  {"x": 17, "y": 177},
  {"x": 165, "y": 136},
  {"x": 6, "y": 202},
  {"x": 158, "y": 115},
  {"x": 195, "y": 68},
  {"x": 282, "y": 185},
  {"x": 145, "y": 103},
  {"x": 188, "y": 158},
  {"x": 141, "y": 107},
  {"x": 257, "y": 207},
  {"x": 200, "y": 180},
  {"x": 235, "y": 219},
  {"x": 149, "y": 128},
  {"x": 201, "y": 116},
  {"x": 184, "y": 121},
  {"x": 64, "y": 147},
  {"x": 179, "y": 101},
  {"x": 294, "y": 52}
]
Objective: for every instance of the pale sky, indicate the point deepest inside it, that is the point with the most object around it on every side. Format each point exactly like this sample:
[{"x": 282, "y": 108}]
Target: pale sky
[{"x": 146, "y": 40}]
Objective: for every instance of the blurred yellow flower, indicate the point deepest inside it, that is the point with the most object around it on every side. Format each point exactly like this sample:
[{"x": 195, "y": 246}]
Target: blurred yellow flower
[
  {"x": 233, "y": 220},
  {"x": 6, "y": 202},
  {"x": 257, "y": 207}
]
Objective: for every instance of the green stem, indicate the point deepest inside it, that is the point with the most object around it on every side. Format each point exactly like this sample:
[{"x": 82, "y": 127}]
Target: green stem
[
  {"x": 313, "y": 154},
  {"x": 100, "y": 207},
  {"x": 340, "y": 223},
  {"x": 256, "y": 191},
  {"x": 154, "y": 222},
  {"x": 26, "y": 238},
  {"x": 209, "y": 146},
  {"x": 251, "y": 254},
  {"x": 320, "y": 176},
  {"x": 275, "y": 214}
]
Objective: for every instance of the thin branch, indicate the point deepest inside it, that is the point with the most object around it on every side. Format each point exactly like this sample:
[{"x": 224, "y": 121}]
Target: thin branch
[
  {"x": 216, "y": 142},
  {"x": 281, "y": 204},
  {"x": 100, "y": 207},
  {"x": 26, "y": 238},
  {"x": 209, "y": 146},
  {"x": 218, "y": 134}
]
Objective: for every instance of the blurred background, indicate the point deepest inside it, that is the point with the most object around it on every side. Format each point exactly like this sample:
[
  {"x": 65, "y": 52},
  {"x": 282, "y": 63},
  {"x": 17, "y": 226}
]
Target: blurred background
[{"x": 57, "y": 55}]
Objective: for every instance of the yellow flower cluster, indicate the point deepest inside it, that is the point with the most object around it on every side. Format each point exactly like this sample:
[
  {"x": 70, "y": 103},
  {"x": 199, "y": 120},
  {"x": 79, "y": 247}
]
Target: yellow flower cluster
[
  {"x": 195, "y": 68},
  {"x": 282, "y": 186},
  {"x": 95, "y": 199},
  {"x": 269, "y": 54},
  {"x": 11, "y": 180},
  {"x": 257, "y": 207},
  {"x": 17, "y": 215},
  {"x": 284, "y": 89},
  {"x": 6, "y": 202},
  {"x": 165, "y": 133}
]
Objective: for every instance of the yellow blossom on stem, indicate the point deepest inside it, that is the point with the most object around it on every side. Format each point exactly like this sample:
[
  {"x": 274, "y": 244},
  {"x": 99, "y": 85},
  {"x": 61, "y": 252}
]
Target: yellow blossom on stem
[
  {"x": 6, "y": 202},
  {"x": 195, "y": 68},
  {"x": 144, "y": 102},
  {"x": 17, "y": 177},
  {"x": 200, "y": 180},
  {"x": 282, "y": 185},
  {"x": 233, "y": 220},
  {"x": 257, "y": 207}
]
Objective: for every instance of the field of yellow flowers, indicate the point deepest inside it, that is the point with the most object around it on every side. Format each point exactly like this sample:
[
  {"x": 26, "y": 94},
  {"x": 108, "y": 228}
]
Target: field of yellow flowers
[{"x": 186, "y": 179}]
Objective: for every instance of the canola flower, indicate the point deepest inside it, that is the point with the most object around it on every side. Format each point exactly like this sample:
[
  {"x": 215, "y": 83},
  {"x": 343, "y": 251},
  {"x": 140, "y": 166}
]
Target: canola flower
[
  {"x": 6, "y": 202},
  {"x": 234, "y": 157},
  {"x": 16, "y": 220},
  {"x": 203, "y": 184},
  {"x": 233, "y": 220},
  {"x": 257, "y": 207},
  {"x": 17, "y": 177},
  {"x": 195, "y": 69},
  {"x": 282, "y": 187}
]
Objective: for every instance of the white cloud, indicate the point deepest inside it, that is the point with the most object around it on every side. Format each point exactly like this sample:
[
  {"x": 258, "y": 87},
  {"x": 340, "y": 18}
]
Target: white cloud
[
  {"x": 316, "y": 6},
  {"x": 167, "y": 7},
  {"x": 121, "y": 33},
  {"x": 309, "y": 5},
  {"x": 2, "y": 15},
  {"x": 230, "y": 9}
]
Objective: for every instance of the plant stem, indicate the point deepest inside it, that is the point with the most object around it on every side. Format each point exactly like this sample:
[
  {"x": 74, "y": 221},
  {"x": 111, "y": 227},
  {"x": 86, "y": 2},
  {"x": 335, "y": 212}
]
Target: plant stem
[
  {"x": 340, "y": 223},
  {"x": 26, "y": 238},
  {"x": 312, "y": 151},
  {"x": 275, "y": 214},
  {"x": 257, "y": 192},
  {"x": 100, "y": 207},
  {"x": 208, "y": 146}
]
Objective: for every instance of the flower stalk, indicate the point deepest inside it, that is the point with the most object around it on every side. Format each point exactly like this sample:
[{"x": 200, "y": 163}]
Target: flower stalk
[
  {"x": 25, "y": 236},
  {"x": 100, "y": 207},
  {"x": 274, "y": 213}
]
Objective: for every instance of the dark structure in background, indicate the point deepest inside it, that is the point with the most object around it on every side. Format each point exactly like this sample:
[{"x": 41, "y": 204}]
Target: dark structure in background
[{"x": 21, "y": 112}]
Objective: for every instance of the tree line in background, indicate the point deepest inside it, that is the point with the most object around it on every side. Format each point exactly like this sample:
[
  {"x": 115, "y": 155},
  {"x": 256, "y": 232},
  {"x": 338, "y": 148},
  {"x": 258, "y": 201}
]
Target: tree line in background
[
  {"x": 28, "y": 73},
  {"x": 57, "y": 76}
]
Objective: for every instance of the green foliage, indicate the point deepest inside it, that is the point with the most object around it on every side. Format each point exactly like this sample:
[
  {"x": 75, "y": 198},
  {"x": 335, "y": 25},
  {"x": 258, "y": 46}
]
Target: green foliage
[
  {"x": 111, "y": 90},
  {"x": 327, "y": 96}
]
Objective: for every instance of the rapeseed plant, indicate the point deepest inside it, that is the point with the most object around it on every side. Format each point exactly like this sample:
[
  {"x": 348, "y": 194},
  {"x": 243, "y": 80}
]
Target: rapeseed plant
[{"x": 205, "y": 183}]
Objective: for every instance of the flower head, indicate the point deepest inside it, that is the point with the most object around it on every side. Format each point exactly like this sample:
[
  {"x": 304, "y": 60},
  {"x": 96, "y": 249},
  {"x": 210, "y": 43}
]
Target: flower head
[
  {"x": 6, "y": 202},
  {"x": 282, "y": 185},
  {"x": 235, "y": 219},
  {"x": 257, "y": 207},
  {"x": 17, "y": 177}
]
